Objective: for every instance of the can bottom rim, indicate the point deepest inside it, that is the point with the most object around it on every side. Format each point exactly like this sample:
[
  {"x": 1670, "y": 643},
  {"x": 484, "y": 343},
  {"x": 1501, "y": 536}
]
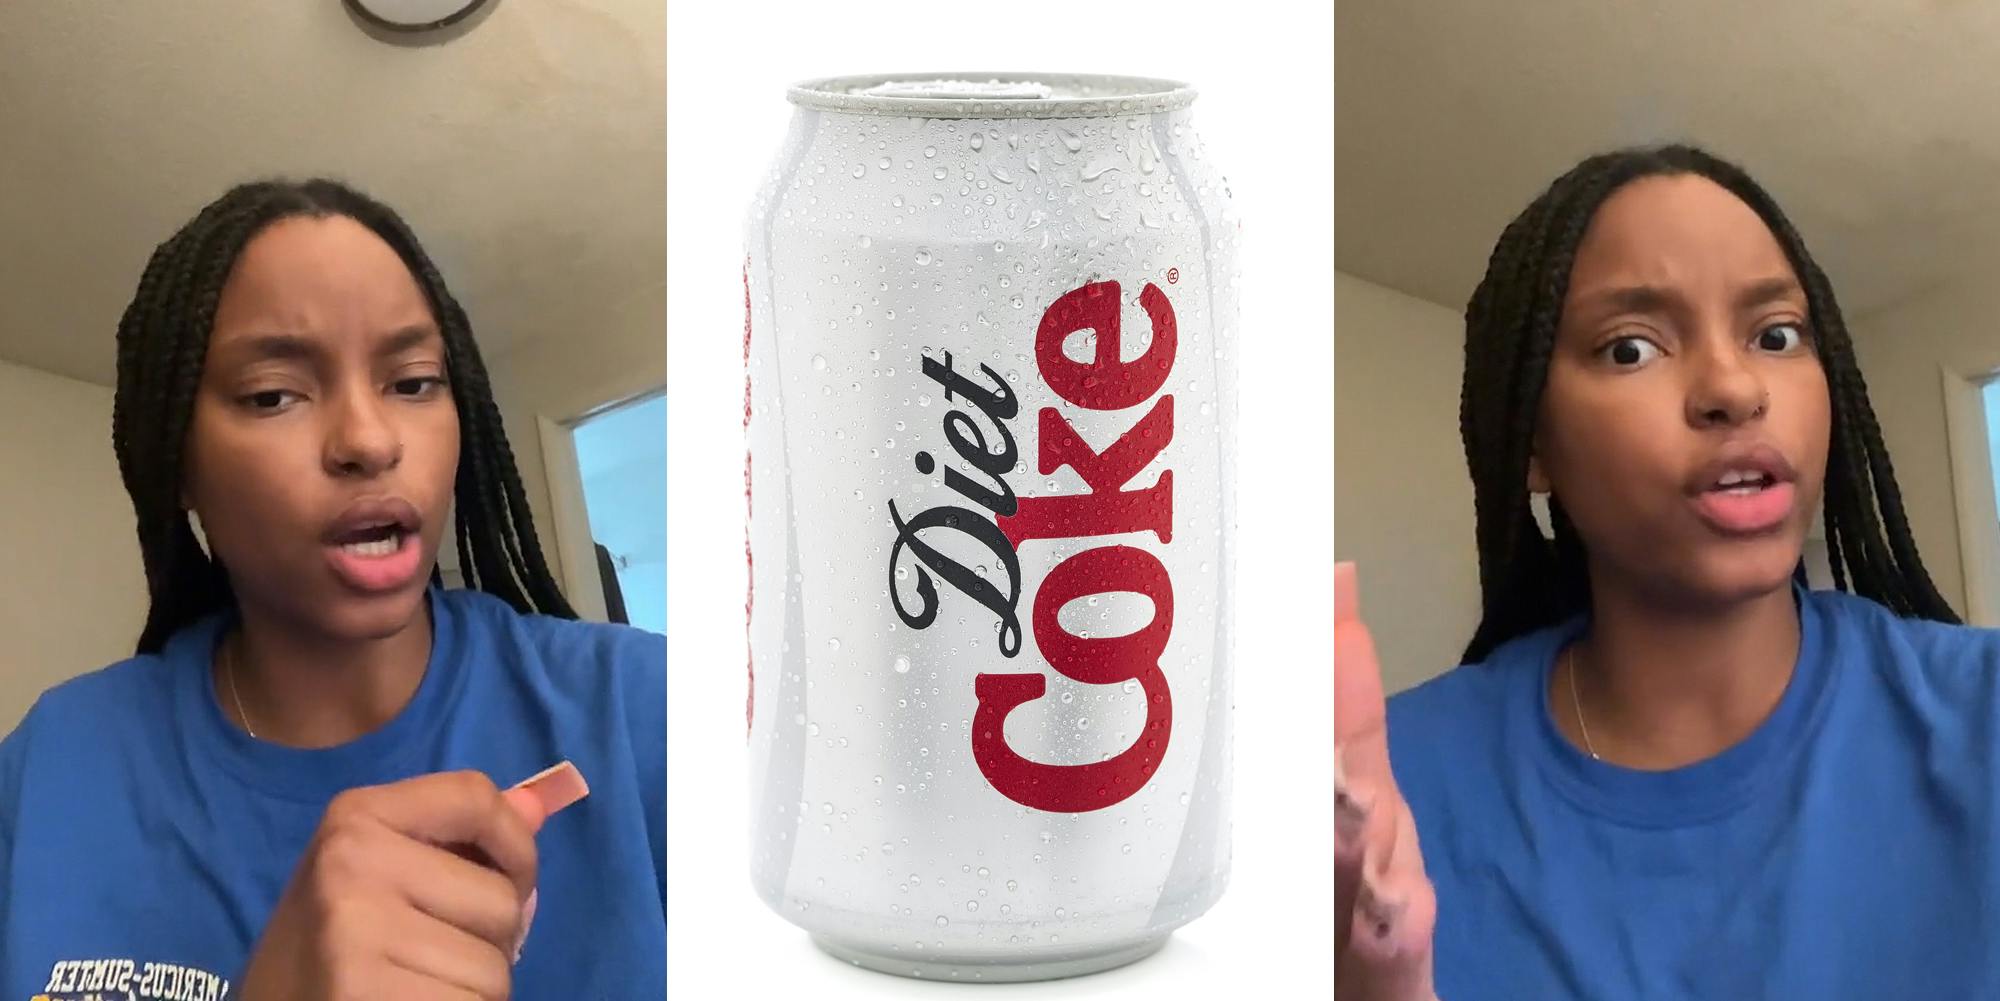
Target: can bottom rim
[{"x": 990, "y": 969}]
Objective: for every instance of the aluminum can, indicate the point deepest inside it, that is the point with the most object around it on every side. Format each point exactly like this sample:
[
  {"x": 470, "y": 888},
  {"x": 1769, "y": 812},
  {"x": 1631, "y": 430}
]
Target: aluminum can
[{"x": 989, "y": 398}]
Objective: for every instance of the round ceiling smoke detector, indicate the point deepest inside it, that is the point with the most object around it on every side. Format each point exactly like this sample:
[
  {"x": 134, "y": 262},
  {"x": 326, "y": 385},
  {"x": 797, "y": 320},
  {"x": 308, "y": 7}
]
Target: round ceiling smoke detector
[{"x": 415, "y": 15}]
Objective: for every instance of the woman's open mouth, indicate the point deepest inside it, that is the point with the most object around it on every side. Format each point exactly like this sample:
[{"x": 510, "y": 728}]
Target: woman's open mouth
[
  {"x": 373, "y": 546},
  {"x": 382, "y": 540},
  {"x": 1743, "y": 483},
  {"x": 1747, "y": 501}
]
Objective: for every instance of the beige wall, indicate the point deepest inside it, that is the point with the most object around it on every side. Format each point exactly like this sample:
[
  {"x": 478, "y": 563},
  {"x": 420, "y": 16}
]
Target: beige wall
[
  {"x": 565, "y": 376},
  {"x": 73, "y": 596},
  {"x": 1402, "y": 499},
  {"x": 1901, "y": 350}
]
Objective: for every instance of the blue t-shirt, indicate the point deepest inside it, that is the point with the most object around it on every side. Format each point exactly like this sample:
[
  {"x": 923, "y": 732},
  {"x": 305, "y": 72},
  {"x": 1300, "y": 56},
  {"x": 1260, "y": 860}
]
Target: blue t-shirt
[
  {"x": 144, "y": 839},
  {"x": 1849, "y": 848}
]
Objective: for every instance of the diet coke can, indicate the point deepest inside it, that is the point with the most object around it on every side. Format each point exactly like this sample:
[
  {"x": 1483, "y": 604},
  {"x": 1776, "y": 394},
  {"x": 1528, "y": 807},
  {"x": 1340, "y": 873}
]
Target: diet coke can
[{"x": 990, "y": 397}]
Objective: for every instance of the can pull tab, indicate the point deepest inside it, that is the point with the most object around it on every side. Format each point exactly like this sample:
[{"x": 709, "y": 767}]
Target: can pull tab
[{"x": 964, "y": 90}]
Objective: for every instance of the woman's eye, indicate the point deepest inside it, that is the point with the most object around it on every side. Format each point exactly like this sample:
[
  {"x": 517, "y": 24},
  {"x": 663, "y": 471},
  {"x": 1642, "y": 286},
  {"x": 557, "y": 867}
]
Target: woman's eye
[
  {"x": 268, "y": 400},
  {"x": 417, "y": 385},
  {"x": 1781, "y": 337},
  {"x": 1631, "y": 352}
]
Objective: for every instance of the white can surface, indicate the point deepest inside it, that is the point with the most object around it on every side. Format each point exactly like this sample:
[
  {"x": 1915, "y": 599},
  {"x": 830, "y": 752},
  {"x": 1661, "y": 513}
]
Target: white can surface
[{"x": 990, "y": 404}]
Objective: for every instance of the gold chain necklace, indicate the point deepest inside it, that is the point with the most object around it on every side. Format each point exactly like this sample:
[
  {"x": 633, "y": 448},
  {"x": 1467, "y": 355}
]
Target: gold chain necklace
[
  {"x": 1569, "y": 659},
  {"x": 229, "y": 672}
]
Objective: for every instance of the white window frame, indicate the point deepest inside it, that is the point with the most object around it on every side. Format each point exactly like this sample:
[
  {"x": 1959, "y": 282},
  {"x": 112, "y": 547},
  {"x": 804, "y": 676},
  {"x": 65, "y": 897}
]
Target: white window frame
[
  {"x": 575, "y": 547},
  {"x": 1972, "y": 489}
]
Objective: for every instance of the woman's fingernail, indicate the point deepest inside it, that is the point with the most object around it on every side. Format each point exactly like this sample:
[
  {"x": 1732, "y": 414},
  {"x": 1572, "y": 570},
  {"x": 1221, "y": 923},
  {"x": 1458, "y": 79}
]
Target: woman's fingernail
[
  {"x": 527, "y": 919},
  {"x": 1346, "y": 595},
  {"x": 1350, "y": 814},
  {"x": 1382, "y": 912}
]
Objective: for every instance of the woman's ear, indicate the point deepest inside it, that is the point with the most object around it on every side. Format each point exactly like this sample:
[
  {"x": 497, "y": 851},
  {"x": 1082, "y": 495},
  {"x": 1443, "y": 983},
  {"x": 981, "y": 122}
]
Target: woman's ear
[{"x": 1538, "y": 481}]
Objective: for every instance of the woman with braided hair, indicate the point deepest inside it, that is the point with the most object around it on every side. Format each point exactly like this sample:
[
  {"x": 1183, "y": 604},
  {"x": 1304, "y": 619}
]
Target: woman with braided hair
[
  {"x": 292, "y": 789},
  {"x": 1669, "y": 769}
]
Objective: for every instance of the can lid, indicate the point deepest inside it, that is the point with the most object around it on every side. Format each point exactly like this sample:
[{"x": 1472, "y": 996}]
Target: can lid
[{"x": 993, "y": 95}]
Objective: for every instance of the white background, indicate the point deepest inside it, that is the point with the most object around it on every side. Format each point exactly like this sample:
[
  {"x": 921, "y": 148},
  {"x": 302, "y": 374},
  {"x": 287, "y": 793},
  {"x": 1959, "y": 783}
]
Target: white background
[{"x": 1265, "y": 77}]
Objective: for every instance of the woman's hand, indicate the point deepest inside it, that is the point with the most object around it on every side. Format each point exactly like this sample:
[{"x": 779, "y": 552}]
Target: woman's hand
[
  {"x": 1384, "y": 907},
  {"x": 388, "y": 902}
]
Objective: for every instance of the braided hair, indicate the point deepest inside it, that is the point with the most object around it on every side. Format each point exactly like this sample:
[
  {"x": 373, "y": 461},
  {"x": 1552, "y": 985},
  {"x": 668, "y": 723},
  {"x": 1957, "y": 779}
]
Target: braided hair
[
  {"x": 162, "y": 341},
  {"x": 1528, "y": 580}
]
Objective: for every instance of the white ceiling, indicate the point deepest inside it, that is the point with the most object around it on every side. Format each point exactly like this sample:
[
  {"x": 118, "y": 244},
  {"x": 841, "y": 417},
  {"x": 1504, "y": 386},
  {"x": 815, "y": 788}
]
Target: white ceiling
[
  {"x": 527, "y": 148},
  {"x": 1875, "y": 123}
]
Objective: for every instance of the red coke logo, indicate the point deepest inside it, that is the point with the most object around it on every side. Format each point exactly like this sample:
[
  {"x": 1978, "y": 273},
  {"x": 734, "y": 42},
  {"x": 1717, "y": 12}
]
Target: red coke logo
[{"x": 1110, "y": 506}]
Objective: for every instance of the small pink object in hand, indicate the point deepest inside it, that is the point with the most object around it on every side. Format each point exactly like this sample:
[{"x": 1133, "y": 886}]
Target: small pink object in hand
[
  {"x": 537, "y": 798},
  {"x": 542, "y": 794}
]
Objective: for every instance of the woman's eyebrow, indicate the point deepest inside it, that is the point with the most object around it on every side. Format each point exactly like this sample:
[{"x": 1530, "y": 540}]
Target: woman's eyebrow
[
  {"x": 1769, "y": 290},
  {"x": 272, "y": 346},
  {"x": 407, "y": 339},
  {"x": 276, "y": 347},
  {"x": 1653, "y": 299},
  {"x": 1630, "y": 299}
]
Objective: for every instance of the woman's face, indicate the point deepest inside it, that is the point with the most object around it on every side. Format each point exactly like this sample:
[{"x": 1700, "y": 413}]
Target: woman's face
[
  {"x": 1685, "y": 420},
  {"x": 324, "y": 441}
]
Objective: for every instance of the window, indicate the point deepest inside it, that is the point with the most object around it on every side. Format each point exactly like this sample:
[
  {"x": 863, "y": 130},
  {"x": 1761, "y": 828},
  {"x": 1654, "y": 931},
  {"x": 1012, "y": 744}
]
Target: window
[
  {"x": 621, "y": 456},
  {"x": 1991, "y": 394}
]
